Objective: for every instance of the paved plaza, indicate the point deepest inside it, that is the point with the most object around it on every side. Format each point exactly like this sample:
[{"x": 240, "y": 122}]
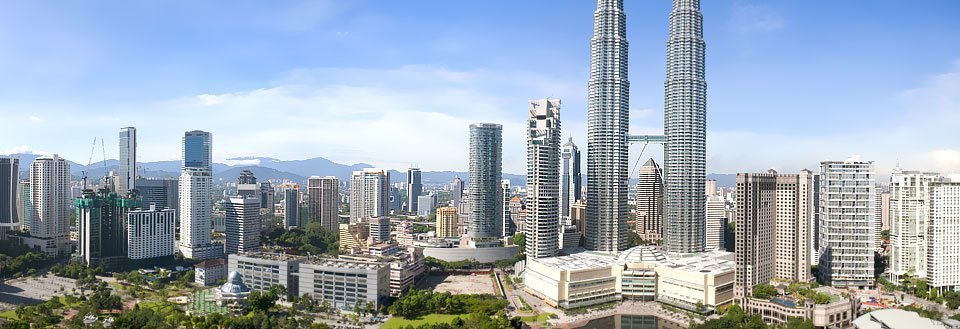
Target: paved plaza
[
  {"x": 460, "y": 284},
  {"x": 33, "y": 290}
]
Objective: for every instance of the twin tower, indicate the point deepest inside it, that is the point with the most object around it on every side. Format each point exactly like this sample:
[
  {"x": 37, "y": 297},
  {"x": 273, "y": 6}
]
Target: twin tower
[{"x": 608, "y": 138}]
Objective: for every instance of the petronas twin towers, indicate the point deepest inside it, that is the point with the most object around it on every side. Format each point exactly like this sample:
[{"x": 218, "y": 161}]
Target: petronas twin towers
[{"x": 684, "y": 127}]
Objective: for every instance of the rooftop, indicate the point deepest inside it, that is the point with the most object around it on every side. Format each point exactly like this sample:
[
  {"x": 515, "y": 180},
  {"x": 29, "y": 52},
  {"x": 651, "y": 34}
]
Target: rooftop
[
  {"x": 895, "y": 319},
  {"x": 706, "y": 262},
  {"x": 345, "y": 263},
  {"x": 272, "y": 256}
]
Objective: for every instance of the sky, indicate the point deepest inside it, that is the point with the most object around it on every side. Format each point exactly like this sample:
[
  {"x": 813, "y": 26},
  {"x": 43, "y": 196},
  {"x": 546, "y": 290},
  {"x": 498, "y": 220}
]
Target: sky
[{"x": 395, "y": 83}]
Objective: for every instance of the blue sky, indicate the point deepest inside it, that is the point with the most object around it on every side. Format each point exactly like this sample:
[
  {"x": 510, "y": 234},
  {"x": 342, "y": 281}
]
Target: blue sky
[{"x": 790, "y": 83}]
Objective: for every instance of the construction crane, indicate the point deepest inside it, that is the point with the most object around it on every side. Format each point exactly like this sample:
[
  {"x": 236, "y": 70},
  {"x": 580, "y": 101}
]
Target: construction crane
[{"x": 89, "y": 161}]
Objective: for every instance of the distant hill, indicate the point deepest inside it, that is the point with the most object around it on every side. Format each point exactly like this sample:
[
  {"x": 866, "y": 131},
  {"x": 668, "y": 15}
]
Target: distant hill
[{"x": 262, "y": 174}]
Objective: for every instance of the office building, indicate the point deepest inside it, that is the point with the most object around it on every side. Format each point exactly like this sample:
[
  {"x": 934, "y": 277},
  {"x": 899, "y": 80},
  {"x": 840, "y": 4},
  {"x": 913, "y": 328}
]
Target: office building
[
  {"x": 685, "y": 127},
  {"x": 151, "y": 232},
  {"x": 756, "y": 231},
  {"x": 262, "y": 270},
  {"x": 457, "y": 192},
  {"x": 396, "y": 200},
  {"x": 267, "y": 197},
  {"x": 102, "y": 227},
  {"x": 323, "y": 201},
  {"x": 608, "y": 123},
  {"x": 570, "y": 180},
  {"x": 716, "y": 222},
  {"x": 196, "y": 214},
  {"x": 943, "y": 235},
  {"x": 794, "y": 211},
  {"x": 414, "y": 189},
  {"x": 247, "y": 185},
  {"x": 164, "y": 193},
  {"x": 447, "y": 222},
  {"x": 510, "y": 220},
  {"x": 196, "y": 150},
  {"x": 24, "y": 205},
  {"x": 909, "y": 215},
  {"x": 569, "y": 236},
  {"x": 50, "y": 195},
  {"x": 426, "y": 204},
  {"x": 127, "y": 172},
  {"x": 543, "y": 172},
  {"x": 650, "y": 202},
  {"x": 846, "y": 233},
  {"x": 345, "y": 283},
  {"x": 242, "y": 223},
  {"x": 380, "y": 229},
  {"x": 353, "y": 236},
  {"x": 291, "y": 205},
  {"x": 486, "y": 200},
  {"x": 207, "y": 273},
  {"x": 369, "y": 191},
  {"x": 9, "y": 180}
]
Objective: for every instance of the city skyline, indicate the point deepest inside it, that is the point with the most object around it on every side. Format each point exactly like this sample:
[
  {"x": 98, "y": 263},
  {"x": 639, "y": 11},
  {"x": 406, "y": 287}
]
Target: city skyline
[{"x": 751, "y": 39}]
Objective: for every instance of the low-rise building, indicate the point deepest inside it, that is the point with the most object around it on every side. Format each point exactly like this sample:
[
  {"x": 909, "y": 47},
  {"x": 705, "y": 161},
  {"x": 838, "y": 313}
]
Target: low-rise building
[
  {"x": 839, "y": 312},
  {"x": 209, "y": 272},
  {"x": 345, "y": 283},
  {"x": 353, "y": 236},
  {"x": 262, "y": 270},
  {"x": 895, "y": 319}
]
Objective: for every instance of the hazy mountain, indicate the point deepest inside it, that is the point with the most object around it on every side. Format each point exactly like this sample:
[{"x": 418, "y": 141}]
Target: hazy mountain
[{"x": 262, "y": 174}]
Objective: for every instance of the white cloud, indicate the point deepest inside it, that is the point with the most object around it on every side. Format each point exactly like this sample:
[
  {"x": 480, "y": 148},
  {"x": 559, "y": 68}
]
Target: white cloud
[
  {"x": 23, "y": 149},
  {"x": 208, "y": 100},
  {"x": 756, "y": 18},
  {"x": 242, "y": 162},
  {"x": 944, "y": 161},
  {"x": 34, "y": 119}
]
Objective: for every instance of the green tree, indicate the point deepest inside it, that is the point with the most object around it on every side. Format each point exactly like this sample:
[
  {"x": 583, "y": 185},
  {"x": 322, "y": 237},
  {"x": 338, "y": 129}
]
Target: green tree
[
  {"x": 764, "y": 291},
  {"x": 520, "y": 240}
]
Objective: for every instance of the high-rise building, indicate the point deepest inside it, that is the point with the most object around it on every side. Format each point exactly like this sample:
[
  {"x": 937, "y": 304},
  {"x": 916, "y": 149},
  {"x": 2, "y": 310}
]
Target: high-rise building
[
  {"x": 164, "y": 193},
  {"x": 608, "y": 112},
  {"x": 885, "y": 210},
  {"x": 510, "y": 220},
  {"x": 794, "y": 209},
  {"x": 369, "y": 194},
  {"x": 447, "y": 222},
  {"x": 242, "y": 217},
  {"x": 571, "y": 180},
  {"x": 543, "y": 173},
  {"x": 414, "y": 189},
  {"x": 50, "y": 205},
  {"x": 127, "y": 161},
  {"x": 716, "y": 222},
  {"x": 710, "y": 188},
  {"x": 151, "y": 233},
  {"x": 396, "y": 200},
  {"x": 196, "y": 214},
  {"x": 291, "y": 205},
  {"x": 457, "y": 193},
  {"x": 426, "y": 204},
  {"x": 815, "y": 220},
  {"x": 650, "y": 202},
  {"x": 486, "y": 154},
  {"x": 24, "y": 204},
  {"x": 685, "y": 126},
  {"x": 756, "y": 232},
  {"x": 846, "y": 233},
  {"x": 247, "y": 185},
  {"x": 910, "y": 214},
  {"x": 323, "y": 201},
  {"x": 9, "y": 178},
  {"x": 266, "y": 197},
  {"x": 943, "y": 242},
  {"x": 197, "y": 148},
  {"x": 380, "y": 229},
  {"x": 102, "y": 227}
]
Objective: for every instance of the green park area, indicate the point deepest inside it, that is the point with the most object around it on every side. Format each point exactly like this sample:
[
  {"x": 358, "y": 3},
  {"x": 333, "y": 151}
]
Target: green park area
[{"x": 399, "y": 322}]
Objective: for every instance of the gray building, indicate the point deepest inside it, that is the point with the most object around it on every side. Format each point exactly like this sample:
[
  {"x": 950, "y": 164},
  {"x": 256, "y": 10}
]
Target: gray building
[
  {"x": 756, "y": 232},
  {"x": 261, "y": 270},
  {"x": 161, "y": 192},
  {"x": 102, "y": 227},
  {"x": 426, "y": 204},
  {"x": 414, "y": 189},
  {"x": 543, "y": 173},
  {"x": 267, "y": 196},
  {"x": 127, "y": 173},
  {"x": 571, "y": 180},
  {"x": 323, "y": 201},
  {"x": 24, "y": 204},
  {"x": 197, "y": 146},
  {"x": 608, "y": 123},
  {"x": 291, "y": 205},
  {"x": 247, "y": 185},
  {"x": 345, "y": 283},
  {"x": 380, "y": 229},
  {"x": 846, "y": 235},
  {"x": 486, "y": 154},
  {"x": 242, "y": 221},
  {"x": 650, "y": 202},
  {"x": 9, "y": 180},
  {"x": 396, "y": 200},
  {"x": 685, "y": 127},
  {"x": 457, "y": 193}
]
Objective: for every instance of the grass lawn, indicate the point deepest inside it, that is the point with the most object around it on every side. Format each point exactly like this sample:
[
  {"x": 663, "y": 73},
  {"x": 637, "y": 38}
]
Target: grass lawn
[
  {"x": 399, "y": 322},
  {"x": 540, "y": 319},
  {"x": 10, "y": 315}
]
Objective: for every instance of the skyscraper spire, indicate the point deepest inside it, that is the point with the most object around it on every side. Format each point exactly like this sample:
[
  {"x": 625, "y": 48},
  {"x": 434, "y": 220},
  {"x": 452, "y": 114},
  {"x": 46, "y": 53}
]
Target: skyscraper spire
[
  {"x": 685, "y": 126},
  {"x": 607, "y": 130}
]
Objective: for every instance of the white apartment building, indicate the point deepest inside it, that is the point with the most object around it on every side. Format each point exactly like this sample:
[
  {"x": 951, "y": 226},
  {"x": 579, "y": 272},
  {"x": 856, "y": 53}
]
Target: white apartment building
[
  {"x": 196, "y": 214},
  {"x": 909, "y": 215},
  {"x": 369, "y": 194},
  {"x": 943, "y": 241},
  {"x": 716, "y": 222},
  {"x": 151, "y": 233},
  {"x": 847, "y": 197},
  {"x": 543, "y": 183},
  {"x": 50, "y": 205},
  {"x": 345, "y": 283}
]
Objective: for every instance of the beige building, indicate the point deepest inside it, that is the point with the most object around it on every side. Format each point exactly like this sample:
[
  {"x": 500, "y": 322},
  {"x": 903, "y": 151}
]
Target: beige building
[
  {"x": 716, "y": 222},
  {"x": 794, "y": 211},
  {"x": 756, "y": 228},
  {"x": 639, "y": 273},
  {"x": 838, "y": 313},
  {"x": 649, "y": 220},
  {"x": 447, "y": 221},
  {"x": 353, "y": 236}
]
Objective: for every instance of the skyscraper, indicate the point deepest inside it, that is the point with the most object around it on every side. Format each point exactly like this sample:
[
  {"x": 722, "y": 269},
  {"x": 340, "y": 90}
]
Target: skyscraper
[
  {"x": 24, "y": 204},
  {"x": 846, "y": 206},
  {"x": 247, "y": 185},
  {"x": 266, "y": 196},
  {"x": 242, "y": 224},
  {"x": 291, "y": 205},
  {"x": 570, "y": 181},
  {"x": 685, "y": 127},
  {"x": 414, "y": 189},
  {"x": 716, "y": 222},
  {"x": 50, "y": 204},
  {"x": 196, "y": 214},
  {"x": 608, "y": 110},
  {"x": 543, "y": 173},
  {"x": 127, "y": 161},
  {"x": 509, "y": 222},
  {"x": 151, "y": 232},
  {"x": 9, "y": 178},
  {"x": 650, "y": 202},
  {"x": 457, "y": 192},
  {"x": 425, "y": 204},
  {"x": 755, "y": 239},
  {"x": 164, "y": 193},
  {"x": 197, "y": 146},
  {"x": 447, "y": 222},
  {"x": 794, "y": 211},
  {"x": 369, "y": 194},
  {"x": 943, "y": 236},
  {"x": 486, "y": 199},
  {"x": 323, "y": 201},
  {"x": 910, "y": 214},
  {"x": 102, "y": 227}
]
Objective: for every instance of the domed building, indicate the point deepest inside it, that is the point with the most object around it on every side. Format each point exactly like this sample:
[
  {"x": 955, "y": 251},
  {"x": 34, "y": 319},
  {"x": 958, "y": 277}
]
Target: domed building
[{"x": 234, "y": 292}]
